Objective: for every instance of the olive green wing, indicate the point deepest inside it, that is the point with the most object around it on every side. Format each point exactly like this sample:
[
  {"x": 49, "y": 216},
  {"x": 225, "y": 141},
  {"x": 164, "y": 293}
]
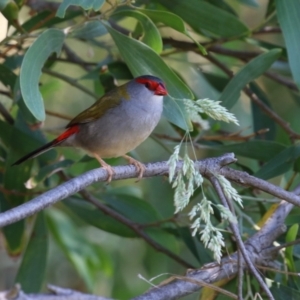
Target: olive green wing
[{"x": 99, "y": 108}]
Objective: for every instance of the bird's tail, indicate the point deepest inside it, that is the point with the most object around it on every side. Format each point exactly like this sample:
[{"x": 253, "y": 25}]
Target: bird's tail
[
  {"x": 36, "y": 152},
  {"x": 70, "y": 131}
]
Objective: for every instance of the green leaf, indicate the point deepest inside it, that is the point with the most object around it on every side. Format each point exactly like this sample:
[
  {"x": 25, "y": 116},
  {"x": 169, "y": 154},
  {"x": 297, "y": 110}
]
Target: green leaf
[
  {"x": 288, "y": 13},
  {"x": 260, "y": 119},
  {"x": 7, "y": 77},
  {"x": 81, "y": 253},
  {"x": 48, "y": 42},
  {"x": 142, "y": 60},
  {"x": 171, "y": 20},
  {"x": 281, "y": 292},
  {"x": 249, "y": 72},
  {"x": 256, "y": 149},
  {"x": 3, "y": 4},
  {"x": 45, "y": 19},
  {"x": 89, "y": 30},
  {"x": 280, "y": 163},
  {"x": 85, "y": 4},
  {"x": 290, "y": 237},
  {"x": 163, "y": 238},
  {"x": 33, "y": 264},
  {"x": 129, "y": 206},
  {"x": 151, "y": 36},
  {"x": 92, "y": 216},
  {"x": 201, "y": 15},
  {"x": 49, "y": 170},
  {"x": 13, "y": 233}
]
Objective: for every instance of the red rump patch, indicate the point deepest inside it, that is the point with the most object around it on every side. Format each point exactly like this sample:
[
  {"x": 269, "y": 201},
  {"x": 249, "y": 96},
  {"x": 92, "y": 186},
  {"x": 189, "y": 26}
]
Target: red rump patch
[{"x": 70, "y": 131}]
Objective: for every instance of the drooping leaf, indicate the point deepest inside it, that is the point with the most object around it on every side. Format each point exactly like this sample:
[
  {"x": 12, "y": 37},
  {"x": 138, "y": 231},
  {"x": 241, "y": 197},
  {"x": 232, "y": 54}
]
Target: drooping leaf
[
  {"x": 151, "y": 35},
  {"x": 34, "y": 260},
  {"x": 288, "y": 16},
  {"x": 85, "y": 4},
  {"x": 142, "y": 60},
  {"x": 249, "y": 72},
  {"x": 48, "y": 42},
  {"x": 171, "y": 20}
]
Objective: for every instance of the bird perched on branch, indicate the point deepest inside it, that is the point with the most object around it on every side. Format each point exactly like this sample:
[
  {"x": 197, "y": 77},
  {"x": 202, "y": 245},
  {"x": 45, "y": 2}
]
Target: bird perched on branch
[{"x": 114, "y": 125}]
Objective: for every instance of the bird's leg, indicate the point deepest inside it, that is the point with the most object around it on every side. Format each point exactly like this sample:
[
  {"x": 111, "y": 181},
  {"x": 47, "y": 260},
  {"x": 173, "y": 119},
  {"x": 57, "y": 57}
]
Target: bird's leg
[
  {"x": 107, "y": 167},
  {"x": 139, "y": 166}
]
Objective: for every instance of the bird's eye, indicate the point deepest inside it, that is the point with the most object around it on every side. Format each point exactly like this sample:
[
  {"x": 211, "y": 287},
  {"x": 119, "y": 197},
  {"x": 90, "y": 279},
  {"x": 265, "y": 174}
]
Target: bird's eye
[{"x": 148, "y": 85}]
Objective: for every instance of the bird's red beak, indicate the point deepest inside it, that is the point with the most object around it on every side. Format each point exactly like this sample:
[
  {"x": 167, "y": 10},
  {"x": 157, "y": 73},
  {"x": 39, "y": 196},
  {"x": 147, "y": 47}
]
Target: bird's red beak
[{"x": 161, "y": 90}]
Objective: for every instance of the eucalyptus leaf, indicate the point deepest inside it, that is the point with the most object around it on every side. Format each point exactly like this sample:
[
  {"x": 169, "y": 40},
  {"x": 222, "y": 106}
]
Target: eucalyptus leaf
[
  {"x": 279, "y": 163},
  {"x": 151, "y": 35},
  {"x": 201, "y": 15},
  {"x": 85, "y": 4},
  {"x": 34, "y": 260},
  {"x": 249, "y": 72},
  {"x": 48, "y": 42},
  {"x": 171, "y": 20},
  {"x": 89, "y": 30}
]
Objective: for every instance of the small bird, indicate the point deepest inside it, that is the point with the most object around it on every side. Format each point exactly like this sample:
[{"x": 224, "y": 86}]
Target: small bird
[{"x": 114, "y": 125}]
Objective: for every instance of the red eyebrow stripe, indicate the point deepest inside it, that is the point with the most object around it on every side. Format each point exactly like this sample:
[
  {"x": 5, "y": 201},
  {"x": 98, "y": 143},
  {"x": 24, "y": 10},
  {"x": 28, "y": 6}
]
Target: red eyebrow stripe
[{"x": 70, "y": 131}]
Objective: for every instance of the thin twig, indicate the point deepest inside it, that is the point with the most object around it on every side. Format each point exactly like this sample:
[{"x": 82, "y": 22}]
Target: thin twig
[
  {"x": 58, "y": 115},
  {"x": 240, "y": 276},
  {"x": 134, "y": 227},
  {"x": 239, "y": 241},
  {"x": 70, "y": 81}
]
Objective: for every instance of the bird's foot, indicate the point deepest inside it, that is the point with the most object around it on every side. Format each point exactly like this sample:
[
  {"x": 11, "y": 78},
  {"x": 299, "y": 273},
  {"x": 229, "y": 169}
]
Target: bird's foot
[
  {"x": 139, "y": 166},
  {"x": 110, "y": 171}
]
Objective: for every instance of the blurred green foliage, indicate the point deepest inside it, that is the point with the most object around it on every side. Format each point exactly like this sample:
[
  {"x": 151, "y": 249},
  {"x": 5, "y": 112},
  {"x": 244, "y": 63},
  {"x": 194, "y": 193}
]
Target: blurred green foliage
[{"x": 99, "y": 44}]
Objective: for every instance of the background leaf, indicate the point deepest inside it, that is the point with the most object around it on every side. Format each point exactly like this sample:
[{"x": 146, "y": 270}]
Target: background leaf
[
  {"x": 288, "y": 17},
  {"x": 34, "y": 260},
  {"x": 249, "y": 72}
]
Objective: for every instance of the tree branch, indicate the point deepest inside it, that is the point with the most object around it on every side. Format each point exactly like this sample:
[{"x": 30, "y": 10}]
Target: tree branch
[{"x": 205, "y": 167}]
